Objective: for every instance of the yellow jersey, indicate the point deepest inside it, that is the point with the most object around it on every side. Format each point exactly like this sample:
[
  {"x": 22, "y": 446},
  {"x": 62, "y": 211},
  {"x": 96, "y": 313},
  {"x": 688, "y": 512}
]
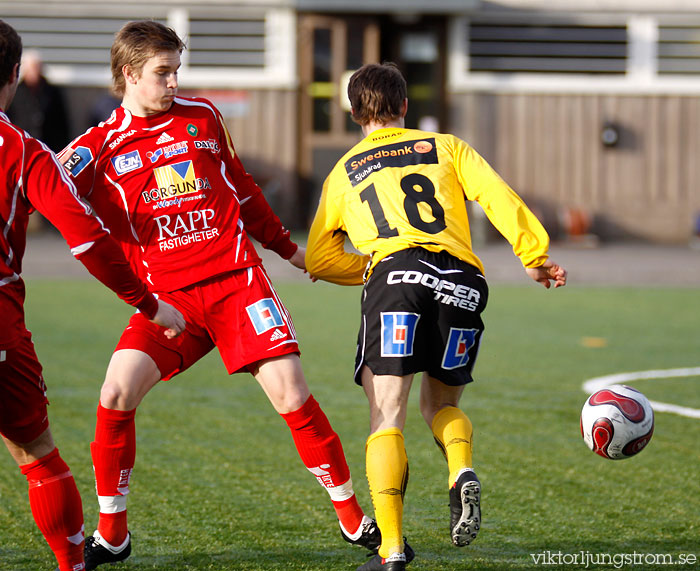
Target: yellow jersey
[{"x": 404, "y": 188}]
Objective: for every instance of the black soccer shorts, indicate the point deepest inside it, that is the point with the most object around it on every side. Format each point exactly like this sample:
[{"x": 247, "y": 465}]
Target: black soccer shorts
[{"x": 421, "y": 311}]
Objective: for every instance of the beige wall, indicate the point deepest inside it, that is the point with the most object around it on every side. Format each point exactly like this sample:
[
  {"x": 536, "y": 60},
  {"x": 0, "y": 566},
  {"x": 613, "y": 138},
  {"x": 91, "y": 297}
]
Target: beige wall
[
  {"x": 266, "y": 139},
  {"x": 548, "y": 148}
]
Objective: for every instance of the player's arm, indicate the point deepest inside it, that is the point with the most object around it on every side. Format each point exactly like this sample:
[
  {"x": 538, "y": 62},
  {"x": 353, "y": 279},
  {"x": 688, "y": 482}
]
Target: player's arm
[
  {"x": 326, "y": 258},
  {"x": 78, "y": 159},
  {"x": 509, "y": 214},
  {"x": 105, "y": 260},
  {"x": 48, "y": 189},
  {"x": 259, "y": 219}
]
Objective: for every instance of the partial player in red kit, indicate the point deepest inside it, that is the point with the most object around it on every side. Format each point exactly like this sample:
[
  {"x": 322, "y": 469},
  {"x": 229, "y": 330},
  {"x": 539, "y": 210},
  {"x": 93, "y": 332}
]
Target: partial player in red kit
[
  {"x": 164, "y": 176},
  {"x": 31, "y": 178}
]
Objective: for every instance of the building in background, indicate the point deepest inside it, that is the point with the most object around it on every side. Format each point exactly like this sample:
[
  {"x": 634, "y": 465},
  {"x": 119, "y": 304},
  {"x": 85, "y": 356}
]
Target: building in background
[{"x": 587, "y": 108}]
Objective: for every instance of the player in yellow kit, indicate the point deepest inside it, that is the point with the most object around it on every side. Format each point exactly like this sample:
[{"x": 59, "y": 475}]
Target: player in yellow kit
[{"x": 400, "y": 196}]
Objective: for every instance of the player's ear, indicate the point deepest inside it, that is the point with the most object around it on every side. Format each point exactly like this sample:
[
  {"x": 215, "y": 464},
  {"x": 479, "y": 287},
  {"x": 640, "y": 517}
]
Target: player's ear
[
  {"x": 404, "y": 107},
  {"x": 353, "y": 115},
  {"x": 129, "y": 74}
]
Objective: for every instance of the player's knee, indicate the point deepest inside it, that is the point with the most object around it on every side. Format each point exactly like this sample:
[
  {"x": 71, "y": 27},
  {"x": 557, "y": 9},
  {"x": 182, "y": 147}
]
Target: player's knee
[
  {"x": 109, "y": 395},
  {"x": 27, "y": 452},
  {"x": 290, "y": 399},
  {"x": 118, "y": 397},
  {"x": 284, "y": 383}
]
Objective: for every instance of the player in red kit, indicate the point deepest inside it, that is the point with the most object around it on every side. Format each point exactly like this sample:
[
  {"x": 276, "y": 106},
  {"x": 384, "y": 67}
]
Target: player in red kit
[
  {"x": 163, "y": 174},
  {"x": 32, "y": 178}
]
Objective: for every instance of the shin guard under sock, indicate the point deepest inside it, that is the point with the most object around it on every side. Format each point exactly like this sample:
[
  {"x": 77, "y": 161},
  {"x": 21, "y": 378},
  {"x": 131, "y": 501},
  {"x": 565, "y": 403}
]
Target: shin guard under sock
[
  {"x": 452, "y": 430},
  {"x": 113, "y": 457},
  {"x": 57, "y": 508},
  {"x": 387, "y": 475},
  {"x": 322, "y": 453}
]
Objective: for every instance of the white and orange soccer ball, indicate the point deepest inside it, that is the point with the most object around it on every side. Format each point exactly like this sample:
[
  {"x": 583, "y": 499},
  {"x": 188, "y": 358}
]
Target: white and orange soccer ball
[{"x": 617, "y": 422}]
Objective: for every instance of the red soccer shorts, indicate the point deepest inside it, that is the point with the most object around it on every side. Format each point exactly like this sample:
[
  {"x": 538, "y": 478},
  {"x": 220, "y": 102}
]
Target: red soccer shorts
[
  {"x": 23, "y": 401},
  {"x": 239, "y": 313}
]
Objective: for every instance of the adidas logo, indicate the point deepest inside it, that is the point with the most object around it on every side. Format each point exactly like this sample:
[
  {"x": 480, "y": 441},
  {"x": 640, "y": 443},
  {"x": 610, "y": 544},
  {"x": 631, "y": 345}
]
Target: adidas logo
[
  {"x": 164, "y": 138},
  {"x": 277, "y": 334}
]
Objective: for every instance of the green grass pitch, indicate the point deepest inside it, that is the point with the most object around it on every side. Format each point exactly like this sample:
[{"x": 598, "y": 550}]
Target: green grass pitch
[{"x": 218, "y": 484}]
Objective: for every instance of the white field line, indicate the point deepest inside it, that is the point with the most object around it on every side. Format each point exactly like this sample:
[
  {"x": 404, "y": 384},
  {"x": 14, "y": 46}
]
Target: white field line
[{"x": 597, "y": 383}]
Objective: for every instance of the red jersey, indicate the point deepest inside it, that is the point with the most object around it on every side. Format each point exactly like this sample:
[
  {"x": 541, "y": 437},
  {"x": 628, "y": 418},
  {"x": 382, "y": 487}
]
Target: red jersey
[
  {"x": 32, "y": 179},
  {"x": 174, "y": 193}
]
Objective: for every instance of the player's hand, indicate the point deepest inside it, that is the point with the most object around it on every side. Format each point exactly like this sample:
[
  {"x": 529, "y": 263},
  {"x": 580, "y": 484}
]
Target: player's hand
[
  {"x": 547, "y": 273},
  {"x": 298, "y": 260},
  {"x": 170, "y": 318}
]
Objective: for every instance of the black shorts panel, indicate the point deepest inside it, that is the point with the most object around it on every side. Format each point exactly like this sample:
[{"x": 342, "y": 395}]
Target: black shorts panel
[{"x": 421, "y": 311}]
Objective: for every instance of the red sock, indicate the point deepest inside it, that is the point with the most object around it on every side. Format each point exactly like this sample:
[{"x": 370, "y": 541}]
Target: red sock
[
  {"x": 57, "y": 508},
  {"x": 113, "y": 527},
  {"x": 322, "y": 453},
  {"x": 349, "y": 513},
  {"x": 113, "y": 457}
]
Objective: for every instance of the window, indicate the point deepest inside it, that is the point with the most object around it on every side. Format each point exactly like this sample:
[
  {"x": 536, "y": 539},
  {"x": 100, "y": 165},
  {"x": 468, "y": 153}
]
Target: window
[
  {"x": 577, "y": 52},
  {"x": 227, "y": 42},
  {"x": 679, "y": 49},
  {"x": 533, "y": 48},
  {"x": 68, "y": 41},
  {"x": 254, "y": 46}
]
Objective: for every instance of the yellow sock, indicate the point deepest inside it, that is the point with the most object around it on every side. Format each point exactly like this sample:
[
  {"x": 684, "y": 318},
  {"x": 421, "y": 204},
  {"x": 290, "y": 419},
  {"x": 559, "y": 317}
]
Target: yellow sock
[
  {"x": 387, "y": 475},
  {"x": 452, "y": 430}
]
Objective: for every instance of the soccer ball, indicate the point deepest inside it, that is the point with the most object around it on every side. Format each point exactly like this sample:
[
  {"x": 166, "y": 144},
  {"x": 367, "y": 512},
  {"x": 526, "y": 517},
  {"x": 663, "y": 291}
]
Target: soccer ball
[{"x": 617, "y": 422}]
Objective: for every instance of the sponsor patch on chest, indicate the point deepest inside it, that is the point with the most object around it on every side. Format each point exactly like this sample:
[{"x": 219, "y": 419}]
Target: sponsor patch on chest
[
  {"x": 127, "y": 162},
  {"x": 175, "y": 181}
]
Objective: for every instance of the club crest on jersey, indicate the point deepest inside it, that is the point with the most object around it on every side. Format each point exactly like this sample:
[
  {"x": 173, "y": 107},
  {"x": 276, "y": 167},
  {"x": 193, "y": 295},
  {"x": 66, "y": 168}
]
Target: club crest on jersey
[
  {"x": 398, "y": 333},
  {"x": 192, "y": 130},
  {"x": 264, "y": 315},
  {"x": 459, "y": 344},
  {"x": 175, "y": 180},
  {"x": 127, "y": 162},
  {"x": 75, "y": 160}
]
